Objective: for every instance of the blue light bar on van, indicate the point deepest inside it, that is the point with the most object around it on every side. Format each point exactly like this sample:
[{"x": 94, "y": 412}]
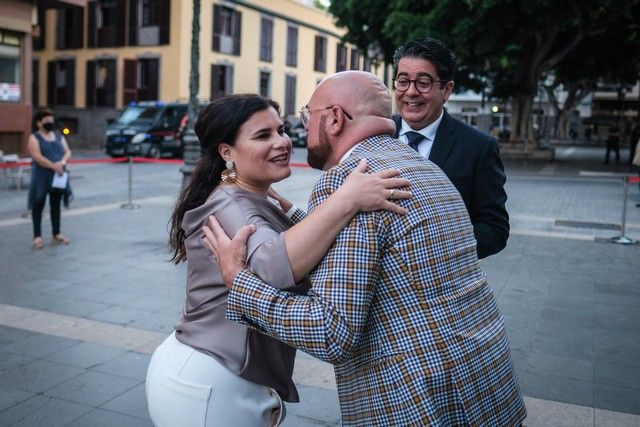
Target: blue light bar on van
[{"x": 132, "y": 104}]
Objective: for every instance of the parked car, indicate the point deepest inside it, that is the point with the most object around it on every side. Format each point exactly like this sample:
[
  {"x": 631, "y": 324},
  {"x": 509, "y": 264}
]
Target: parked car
[
  {"x": 296, "y": 131},
  {"x": 147, "y": 128}
]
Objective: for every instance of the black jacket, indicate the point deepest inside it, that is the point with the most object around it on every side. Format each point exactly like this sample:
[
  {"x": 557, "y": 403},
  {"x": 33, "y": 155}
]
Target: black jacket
[{"x": 471, "y": 160}]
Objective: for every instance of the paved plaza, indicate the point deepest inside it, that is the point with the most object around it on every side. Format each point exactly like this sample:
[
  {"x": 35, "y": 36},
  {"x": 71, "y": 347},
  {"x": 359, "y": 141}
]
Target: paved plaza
[{"x": 79, "y": 323}]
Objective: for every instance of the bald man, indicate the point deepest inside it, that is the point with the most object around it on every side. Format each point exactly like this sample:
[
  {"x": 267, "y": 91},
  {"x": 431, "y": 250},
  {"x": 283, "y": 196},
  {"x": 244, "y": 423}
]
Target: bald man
[{"x": 399, "y": 304}]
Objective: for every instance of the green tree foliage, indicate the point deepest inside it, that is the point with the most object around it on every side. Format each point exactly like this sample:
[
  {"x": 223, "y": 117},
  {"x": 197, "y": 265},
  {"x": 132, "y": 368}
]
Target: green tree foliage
[{"x": 506, "y": 45}]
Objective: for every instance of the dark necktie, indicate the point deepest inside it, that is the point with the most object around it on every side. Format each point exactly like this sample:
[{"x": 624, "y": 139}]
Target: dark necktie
[{"x": 414, "y": 139}]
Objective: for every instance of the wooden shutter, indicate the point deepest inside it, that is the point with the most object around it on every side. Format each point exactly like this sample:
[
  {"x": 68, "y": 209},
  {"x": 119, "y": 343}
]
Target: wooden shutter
[
  {"x": 236, "y": 25},
  {"x": 35, "y": 83},
  {"x": 111, "y": 83},
  {"x": 165, "y": 20},
  {"x": 78, "y": 27},
  {"x": 91, "y": 24},
  {"x": 38, "y": 42},
  {"x": 292, "y": 46},
  {"x": 91, "y": 84},
  {"x": 51, "y": 83},
  {"x": 228, "y": 80},
  {"x": 70, "y": 92},
  {"x": 153, "y": 78},
  {"x": 61, "y": 15},
  {"x": 130, "y": 81},
  {"x": 133, "y": 22},
  {"x": 120, "y": 29},
  {"x": 216, "y": 28},
  {"x": 215, "y": 79}
]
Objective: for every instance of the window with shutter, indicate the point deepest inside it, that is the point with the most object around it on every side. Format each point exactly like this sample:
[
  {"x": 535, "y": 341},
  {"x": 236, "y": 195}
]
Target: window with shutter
[
  {"x": 341, "y": 58},
  {"x": 69, "y": 27},
  {"x": 130, "y": 81},
  {"x": 290, "y": 95},
  {"x": 292, "y": 46},
  {"x": 320, "y": 58},
  {"x": 221, "y": 80},
  {"x": 265, "y": 84},
  {"x": 355, "y": 59},
  {"x": 266, "y": 39},
  {"x": 226, "y": 30}
]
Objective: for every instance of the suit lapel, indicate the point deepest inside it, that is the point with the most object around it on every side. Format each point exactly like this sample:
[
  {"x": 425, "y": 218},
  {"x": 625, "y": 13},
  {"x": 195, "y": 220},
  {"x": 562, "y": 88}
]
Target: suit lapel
[
  {"x": 398, "y": 121},
  {"x": 444, "y": 141}
]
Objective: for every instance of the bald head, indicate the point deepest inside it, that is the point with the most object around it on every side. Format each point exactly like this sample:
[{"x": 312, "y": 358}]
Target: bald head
[{"x": 359, "y": 92}]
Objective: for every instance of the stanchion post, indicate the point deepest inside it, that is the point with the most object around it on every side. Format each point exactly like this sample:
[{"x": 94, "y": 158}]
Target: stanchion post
[
  {"x": 130, "y": 204},
  {"x": 623, "y": 239}
]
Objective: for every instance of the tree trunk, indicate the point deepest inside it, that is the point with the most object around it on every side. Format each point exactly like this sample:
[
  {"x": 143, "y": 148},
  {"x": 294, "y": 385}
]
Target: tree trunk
[
  {"x": 191, "y": 144},
  {"x": 521, "y": 129}
]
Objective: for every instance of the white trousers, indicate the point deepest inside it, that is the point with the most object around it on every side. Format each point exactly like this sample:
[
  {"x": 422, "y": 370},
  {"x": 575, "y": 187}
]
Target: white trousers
[{"x": 189, "y": 388}]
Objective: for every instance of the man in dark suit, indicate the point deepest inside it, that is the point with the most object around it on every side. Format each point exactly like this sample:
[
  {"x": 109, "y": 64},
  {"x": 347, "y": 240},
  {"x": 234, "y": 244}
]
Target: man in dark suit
[{"x": 423, "y": 81}]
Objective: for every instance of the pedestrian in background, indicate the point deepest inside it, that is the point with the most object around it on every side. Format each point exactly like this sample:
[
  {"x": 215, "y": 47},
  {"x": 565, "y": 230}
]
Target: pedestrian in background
[
  {"x": 613, "y": 142},
  {"x": 587, "y": 134},
  {"x": 634, "y": 152},
  {"x": 50, "y": 153}
]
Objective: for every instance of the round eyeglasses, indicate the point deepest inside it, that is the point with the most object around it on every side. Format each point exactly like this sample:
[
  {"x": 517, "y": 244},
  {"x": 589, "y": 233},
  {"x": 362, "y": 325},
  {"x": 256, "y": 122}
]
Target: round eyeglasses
[
  {"x": 423, "y": 85},
  {"x": 305, "y": 113}
]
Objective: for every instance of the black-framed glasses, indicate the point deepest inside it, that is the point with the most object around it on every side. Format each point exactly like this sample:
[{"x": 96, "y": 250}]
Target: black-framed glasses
[
  {"x": 422, "y": 85},
  {"x": 305, "y": 113}
]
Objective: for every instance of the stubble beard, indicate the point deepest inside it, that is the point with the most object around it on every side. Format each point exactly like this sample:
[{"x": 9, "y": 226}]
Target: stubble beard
[{"x": 318, "y": 156}]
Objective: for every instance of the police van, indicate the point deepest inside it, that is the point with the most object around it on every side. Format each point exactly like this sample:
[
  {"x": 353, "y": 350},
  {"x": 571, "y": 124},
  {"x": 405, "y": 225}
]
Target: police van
[{"x": 147, "y": 129}]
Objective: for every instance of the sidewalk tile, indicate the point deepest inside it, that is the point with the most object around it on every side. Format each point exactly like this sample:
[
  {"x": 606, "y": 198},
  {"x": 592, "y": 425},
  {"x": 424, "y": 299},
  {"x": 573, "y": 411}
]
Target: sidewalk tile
[
  {"x": 130, "y": 365},
  {"x": 618, "y": 399},
  {"x": 38, "y": 376},
  {"x": 42, "y": 411},
  {"x": 132, "y": 402},
  {"x": 92, "y": 388},
  {"x": 40, "y": 345},
  {"x": 101, "y": 417},
  {"x": 86, "y": 355}
]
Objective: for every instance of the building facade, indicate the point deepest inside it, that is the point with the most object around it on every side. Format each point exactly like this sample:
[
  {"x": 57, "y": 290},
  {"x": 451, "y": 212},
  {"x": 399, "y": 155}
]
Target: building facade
[{"x": 92, "y": 61}]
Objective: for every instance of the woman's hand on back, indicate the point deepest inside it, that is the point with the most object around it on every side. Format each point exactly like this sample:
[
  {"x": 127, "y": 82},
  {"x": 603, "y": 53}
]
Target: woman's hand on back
[{"x": 371, "y": 192}]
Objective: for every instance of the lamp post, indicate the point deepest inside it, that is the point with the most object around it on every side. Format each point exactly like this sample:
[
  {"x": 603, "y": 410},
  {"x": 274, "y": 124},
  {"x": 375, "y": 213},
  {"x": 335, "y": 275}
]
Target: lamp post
[{"x": 191, "y": 152}]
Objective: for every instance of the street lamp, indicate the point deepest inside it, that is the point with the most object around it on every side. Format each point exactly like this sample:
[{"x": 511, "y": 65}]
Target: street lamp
[{"x": 191, "y": 150}]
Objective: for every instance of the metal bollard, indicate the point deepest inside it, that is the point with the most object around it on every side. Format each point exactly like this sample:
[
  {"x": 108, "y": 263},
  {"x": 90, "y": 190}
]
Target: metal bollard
[
  {"x": 130, "y": 204},
  {"x": 623, "y": 239}
]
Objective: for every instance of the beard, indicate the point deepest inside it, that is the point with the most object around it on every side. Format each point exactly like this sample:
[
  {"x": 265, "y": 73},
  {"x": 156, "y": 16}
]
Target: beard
[{"x": 318, "y": 156}]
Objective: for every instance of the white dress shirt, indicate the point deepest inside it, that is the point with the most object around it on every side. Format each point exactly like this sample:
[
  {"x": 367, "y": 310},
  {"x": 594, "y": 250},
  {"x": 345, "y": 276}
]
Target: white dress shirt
[{"x": 429, "y": 133}]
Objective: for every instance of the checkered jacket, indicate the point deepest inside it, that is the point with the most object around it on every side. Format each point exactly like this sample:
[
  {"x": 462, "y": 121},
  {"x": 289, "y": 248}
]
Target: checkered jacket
[{"x": 400, "y": 306}]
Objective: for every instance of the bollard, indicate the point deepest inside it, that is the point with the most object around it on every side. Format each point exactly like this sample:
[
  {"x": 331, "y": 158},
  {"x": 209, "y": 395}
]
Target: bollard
[
  {"x": 623, "y": 239},
  {"x": 130, "y": 204}
]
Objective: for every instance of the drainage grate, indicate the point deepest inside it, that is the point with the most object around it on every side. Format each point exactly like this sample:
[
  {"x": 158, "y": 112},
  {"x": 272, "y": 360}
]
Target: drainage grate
[{"x": 584, "y": 224}]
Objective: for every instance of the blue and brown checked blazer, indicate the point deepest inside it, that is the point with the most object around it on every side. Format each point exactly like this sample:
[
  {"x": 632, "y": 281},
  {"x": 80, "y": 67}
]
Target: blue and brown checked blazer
[{"x": 400, "y": 306}]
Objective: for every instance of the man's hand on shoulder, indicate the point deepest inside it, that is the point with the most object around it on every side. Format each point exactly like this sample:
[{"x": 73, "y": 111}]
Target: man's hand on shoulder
[{"x": 231, "y": 254}]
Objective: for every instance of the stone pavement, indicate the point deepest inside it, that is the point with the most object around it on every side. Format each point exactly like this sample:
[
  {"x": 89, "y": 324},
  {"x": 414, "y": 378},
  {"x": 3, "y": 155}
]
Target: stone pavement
[{"x": 78, "y": 323}]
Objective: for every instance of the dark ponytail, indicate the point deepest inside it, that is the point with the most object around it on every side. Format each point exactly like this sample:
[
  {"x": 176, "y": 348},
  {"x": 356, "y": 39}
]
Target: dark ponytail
[{"x": 218, "y": 123}]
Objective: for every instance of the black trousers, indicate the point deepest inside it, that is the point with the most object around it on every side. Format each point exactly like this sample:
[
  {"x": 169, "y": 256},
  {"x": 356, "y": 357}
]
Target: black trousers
[
  {"x": 55, "y": 197},
  {"x": 613, "y": 145}
]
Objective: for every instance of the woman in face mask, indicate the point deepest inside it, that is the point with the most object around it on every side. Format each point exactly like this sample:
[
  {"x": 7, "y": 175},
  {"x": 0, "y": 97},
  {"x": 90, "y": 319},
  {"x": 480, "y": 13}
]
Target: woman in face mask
[{"x": 49, "y": 151}]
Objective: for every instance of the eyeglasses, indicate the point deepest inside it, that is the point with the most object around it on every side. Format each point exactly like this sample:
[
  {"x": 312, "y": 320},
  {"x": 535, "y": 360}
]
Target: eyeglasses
[
  {"x": 423, "y": 85},
  {"x": 305, "y": 113}
]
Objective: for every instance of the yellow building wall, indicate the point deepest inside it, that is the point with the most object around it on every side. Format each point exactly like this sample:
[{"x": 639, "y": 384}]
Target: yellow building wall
[{"x": 175, "y": 57}]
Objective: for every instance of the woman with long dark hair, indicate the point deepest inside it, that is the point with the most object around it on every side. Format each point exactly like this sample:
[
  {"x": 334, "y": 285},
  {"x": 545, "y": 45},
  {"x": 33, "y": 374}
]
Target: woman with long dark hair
[{"x": 212, "y": 371}]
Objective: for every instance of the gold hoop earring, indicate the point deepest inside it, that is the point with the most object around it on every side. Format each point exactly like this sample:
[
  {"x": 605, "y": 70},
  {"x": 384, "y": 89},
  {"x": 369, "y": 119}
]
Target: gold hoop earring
[{"x": 229, "y": 174}]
